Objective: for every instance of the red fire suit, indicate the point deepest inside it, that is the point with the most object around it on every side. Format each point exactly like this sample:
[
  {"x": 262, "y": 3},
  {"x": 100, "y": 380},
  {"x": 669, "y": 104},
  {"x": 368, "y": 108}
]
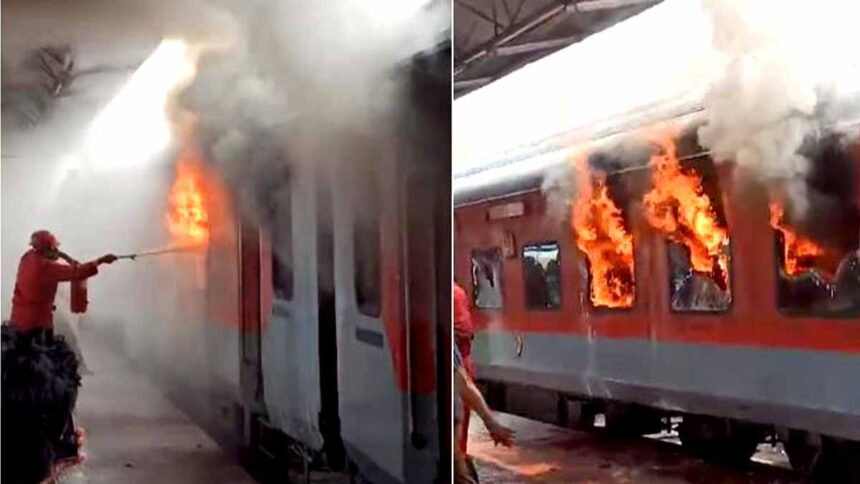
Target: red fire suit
[
  {"x": 463, "y": 334},
  {"x": 36, "y": 287}
]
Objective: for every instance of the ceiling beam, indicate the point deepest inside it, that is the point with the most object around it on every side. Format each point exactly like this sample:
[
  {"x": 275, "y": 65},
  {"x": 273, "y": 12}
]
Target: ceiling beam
[
  {"x": 499, "y": 44},
  {"x": 527, "y": 47},
  {"x": 511, "y": 33},
  {"x": 594, "y": 5},
  {"x": 472, "y": 83}
]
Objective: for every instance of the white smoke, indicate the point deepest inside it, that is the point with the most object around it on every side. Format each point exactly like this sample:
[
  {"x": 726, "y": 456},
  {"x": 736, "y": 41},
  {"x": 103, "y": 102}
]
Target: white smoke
[
  {"x": 286, "y": 79},
  {"x": 783, "y": 72},
  {"x": 300, "y": 77}
]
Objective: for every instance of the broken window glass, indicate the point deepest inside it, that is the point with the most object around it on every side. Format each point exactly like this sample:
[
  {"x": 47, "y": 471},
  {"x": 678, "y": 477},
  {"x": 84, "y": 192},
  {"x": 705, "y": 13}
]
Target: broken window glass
[
  {"x": 542, "y": 276},
  {"x": 818, "y": 271},
  {"x": 693, "y": 290},
  {"x": 487, "y": 278}
]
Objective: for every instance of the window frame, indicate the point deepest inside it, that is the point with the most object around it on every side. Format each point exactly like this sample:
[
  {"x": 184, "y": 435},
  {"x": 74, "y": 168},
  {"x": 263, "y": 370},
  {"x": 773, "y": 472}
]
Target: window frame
[
  {"x": 526, "y": 304},
  {"x": 497, "y": 250},
  {"x": 799, "y": 313},
  {"x": 583, "y": 261},
  {"x": 274, "y": 238},
  {"x": 361, "y": 220},
  {"x": 702, "y": 312},
  {"x": 717, "y": 200}
]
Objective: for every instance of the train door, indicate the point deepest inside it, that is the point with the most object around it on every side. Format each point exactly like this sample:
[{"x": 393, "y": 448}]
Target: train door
[
  {"x": 251, "y": 370},
  {"x": 371, "y": 343},
  {"x": 289, "y": 346},
  {"x": 329, "y": 418},
  {"x": 424, "y": 192}
]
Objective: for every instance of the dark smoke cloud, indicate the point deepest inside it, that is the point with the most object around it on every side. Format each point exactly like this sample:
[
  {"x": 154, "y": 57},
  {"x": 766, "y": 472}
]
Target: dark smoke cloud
[{"x": 299, "y": 84}]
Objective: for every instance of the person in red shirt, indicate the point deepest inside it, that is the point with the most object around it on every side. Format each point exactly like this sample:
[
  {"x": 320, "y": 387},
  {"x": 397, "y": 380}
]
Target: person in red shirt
[
  {"x": 464, "y": 332},
  {"x": 39, "y": 274}
]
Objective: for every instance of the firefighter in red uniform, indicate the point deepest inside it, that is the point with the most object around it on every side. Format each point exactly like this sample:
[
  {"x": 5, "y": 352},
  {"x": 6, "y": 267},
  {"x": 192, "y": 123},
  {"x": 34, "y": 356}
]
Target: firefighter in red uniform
[
  {"x": 39, "y": 274},
  {"x": 463, "y": 334}
]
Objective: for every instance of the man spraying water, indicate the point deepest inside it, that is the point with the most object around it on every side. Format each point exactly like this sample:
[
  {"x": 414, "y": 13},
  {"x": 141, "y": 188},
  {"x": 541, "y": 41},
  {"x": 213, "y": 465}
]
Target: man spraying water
[
  {"x": 39, "y": 274},
  {"x": 29, "y": 345}
]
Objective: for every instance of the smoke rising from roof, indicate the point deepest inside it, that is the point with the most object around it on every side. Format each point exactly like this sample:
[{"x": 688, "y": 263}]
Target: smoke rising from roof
[
  {"x": 783, "y": 70},
  {"x": 300, "y": 79}
]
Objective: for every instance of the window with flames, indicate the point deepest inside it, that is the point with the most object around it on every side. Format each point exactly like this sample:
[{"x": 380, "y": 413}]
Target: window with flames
[{"x": 817, "y": 238}]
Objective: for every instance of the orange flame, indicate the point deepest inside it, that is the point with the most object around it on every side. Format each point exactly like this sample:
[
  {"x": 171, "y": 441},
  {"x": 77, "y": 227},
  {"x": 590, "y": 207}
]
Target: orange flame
[
  {"x": 188, "y": 217},
  {"x": 798, "y": 253},
  {"x": 600, "y": 233},
  {"x": 677, "y": 206}
]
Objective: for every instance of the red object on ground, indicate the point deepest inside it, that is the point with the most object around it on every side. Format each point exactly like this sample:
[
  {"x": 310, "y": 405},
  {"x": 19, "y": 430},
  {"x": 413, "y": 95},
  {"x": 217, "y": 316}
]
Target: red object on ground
[
  {"x": 463, "y": 334},
  {"x": 36, "y": 287},
  {"x": 79, "y": 300}
]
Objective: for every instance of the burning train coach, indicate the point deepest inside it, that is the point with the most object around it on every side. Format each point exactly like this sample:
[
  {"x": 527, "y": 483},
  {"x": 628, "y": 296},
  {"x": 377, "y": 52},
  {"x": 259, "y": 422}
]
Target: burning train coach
[
  {"x": 313, "y": 333},
  {"x": 343, "y": 304},
  {"x": 670, "y": 286}
]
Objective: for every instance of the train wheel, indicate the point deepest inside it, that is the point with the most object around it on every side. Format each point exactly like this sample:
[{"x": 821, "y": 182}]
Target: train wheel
[
  {"x": 631, "y": 420},
  {"x": 719, "y": 439},
  {"x": 839, "y": 461},
  {"x": 580, "y": 415},
  {"x": 804, "y": 450}
]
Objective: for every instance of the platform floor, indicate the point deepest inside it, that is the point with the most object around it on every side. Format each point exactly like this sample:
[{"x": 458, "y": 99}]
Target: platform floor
[
  {"x": 135, "y": 435},
  {"x": 549, "y": 454}
]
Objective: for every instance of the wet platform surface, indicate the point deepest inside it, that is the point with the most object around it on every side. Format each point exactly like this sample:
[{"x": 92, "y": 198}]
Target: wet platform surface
[
  {"x": 545, "y": 453},
  {"x": 135, "y": 435}
]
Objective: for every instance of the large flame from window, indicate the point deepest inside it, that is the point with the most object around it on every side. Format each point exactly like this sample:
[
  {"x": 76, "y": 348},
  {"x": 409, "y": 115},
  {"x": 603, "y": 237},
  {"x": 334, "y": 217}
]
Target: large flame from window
[
  {"x": 601, "y": 234},
  {"x": 188, "y": 216},
  {"x": 799, "y": 254},
  {"x": 677, "y": 206}
]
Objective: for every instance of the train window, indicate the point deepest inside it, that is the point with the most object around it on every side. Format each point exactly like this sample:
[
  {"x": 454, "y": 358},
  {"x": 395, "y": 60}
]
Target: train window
[
  {"x": 487, "y": 278},
  {"x": 281, "y": 220},
  {"x": 603, "y": 237},
  {"x": 817, "y": 255},
  {"x": 366, "y": 248},
  {"x": 699, "y": 254},
  {"x": 542, "y": 275}
]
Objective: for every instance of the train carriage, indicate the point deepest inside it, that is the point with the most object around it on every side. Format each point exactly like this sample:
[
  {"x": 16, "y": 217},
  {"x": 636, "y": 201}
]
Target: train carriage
[
  {"x": 313, "y": 331},
  {"x": 773, "y": 348},
  {"x": 343, "y": 300}
]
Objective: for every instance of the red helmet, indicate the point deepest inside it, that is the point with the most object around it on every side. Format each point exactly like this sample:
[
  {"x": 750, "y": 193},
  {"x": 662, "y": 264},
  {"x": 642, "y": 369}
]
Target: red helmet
[{"x": 42, "y": 240}]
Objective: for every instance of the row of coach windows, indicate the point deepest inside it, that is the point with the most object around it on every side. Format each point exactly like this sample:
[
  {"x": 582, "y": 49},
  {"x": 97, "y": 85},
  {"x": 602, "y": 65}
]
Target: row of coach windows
[
  {"x": 810, "y": 293},
  {"x": 824, "y": 282},
  {"x": 542, "y": 287}
]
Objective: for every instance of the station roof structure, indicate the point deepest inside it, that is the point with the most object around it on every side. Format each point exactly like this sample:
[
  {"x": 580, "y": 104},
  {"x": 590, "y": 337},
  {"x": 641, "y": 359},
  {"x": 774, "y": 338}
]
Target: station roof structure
[{"x": 493, "y": 38}]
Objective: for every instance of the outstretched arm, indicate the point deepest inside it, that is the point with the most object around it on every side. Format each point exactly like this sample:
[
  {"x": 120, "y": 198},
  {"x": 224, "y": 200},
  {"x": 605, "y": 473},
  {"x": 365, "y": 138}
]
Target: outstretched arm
[
  {"x": 73, "y": 272},
  {"x": 472, "y": 397}
]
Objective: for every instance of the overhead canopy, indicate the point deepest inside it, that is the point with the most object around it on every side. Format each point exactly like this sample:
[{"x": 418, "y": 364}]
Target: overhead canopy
[
  {"x": 659, "y": 56},
  {"x": 496, "y": 37}
]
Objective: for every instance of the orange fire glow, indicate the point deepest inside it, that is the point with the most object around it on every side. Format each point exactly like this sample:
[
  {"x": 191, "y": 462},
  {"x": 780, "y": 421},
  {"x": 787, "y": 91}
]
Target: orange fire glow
[
  {"x": 799, "y": 253},
  {"x": 601, "y": 234},
  {"x": 677, "y": 206},
  {"x": 188, "y": 216}
]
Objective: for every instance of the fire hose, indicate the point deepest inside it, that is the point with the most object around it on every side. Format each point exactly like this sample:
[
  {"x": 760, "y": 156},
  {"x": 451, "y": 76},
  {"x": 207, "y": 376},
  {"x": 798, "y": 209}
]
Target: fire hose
[
  {"x": 153, "y": 252},
  {"x": 78, "y": 298}
]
